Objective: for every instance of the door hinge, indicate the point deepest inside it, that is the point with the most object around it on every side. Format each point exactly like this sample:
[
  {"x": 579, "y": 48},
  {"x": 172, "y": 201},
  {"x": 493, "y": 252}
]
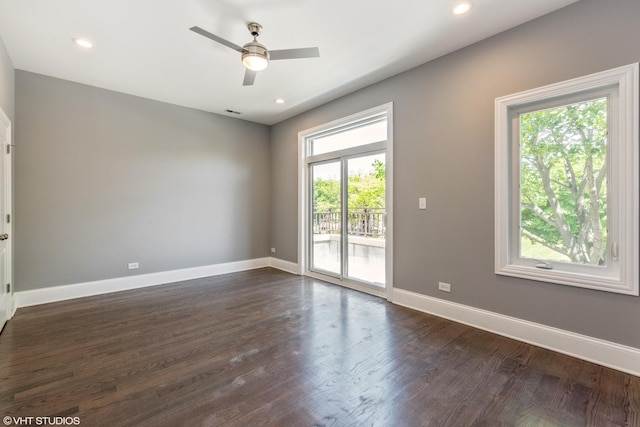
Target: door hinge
[
  {"x": 8, "y": 149},
  {"x": 8, "y": 218},
  {"x": 8, "y": 287}
]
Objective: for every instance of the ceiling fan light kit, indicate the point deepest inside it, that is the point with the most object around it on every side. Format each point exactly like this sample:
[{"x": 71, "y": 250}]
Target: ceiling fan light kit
[{"x": 255, "y": 56}]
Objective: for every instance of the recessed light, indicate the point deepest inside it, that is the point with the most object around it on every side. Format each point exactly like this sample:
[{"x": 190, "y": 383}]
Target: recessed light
[
  {"x": 462, "y": 7},
  {"x": 279, "y": 101},
  {"x": 82, "y": 42}
]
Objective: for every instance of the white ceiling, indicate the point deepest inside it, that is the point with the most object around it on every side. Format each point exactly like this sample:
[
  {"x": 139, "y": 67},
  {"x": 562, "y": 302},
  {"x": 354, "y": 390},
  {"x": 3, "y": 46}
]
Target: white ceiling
[{"x": 144, "y": 47}]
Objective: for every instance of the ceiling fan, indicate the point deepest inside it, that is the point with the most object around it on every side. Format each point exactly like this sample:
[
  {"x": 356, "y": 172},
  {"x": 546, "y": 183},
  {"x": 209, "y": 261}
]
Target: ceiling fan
[{"x": 255, "y": 56}]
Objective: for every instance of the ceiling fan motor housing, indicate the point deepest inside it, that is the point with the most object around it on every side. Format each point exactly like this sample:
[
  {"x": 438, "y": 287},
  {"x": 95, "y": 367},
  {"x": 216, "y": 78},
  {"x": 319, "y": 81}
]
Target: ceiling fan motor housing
[{"x": 255, "y": 56}]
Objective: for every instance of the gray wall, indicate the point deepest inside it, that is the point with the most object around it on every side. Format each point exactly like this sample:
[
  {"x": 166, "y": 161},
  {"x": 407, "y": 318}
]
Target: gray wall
[
  {"x": 7, "y": 83},
  {"x": 443, "y": 123},
  {"x": 103, "y": 179}
]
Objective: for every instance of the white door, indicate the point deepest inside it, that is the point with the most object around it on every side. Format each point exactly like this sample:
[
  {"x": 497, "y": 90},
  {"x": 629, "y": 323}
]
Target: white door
[{"x": 6, "y": 307}]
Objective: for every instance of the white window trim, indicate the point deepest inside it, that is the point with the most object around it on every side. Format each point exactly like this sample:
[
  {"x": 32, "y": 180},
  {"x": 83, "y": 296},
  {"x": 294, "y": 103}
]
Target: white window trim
[
  {"x": 625, "y": 279},
  {"x": 303, "y": 192}
]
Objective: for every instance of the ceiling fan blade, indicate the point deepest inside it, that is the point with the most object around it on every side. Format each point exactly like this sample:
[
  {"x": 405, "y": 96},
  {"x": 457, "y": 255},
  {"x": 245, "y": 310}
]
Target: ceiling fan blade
[
  {"x": 249, "y": 77},
  {"x": 215, "y": 38},
  {"x": 304, "y": 52}
]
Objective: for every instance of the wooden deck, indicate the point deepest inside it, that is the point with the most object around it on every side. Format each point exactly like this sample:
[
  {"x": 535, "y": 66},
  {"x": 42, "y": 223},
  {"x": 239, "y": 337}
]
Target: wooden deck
[{"x": 268, "y": 348}]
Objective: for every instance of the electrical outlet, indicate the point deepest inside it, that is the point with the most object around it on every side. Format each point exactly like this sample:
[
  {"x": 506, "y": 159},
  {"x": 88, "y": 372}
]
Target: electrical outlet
[
  {"x": 445, "y": 287},
  {"x": 273, "y": 250},
  {"x": 133, "y": 265}
]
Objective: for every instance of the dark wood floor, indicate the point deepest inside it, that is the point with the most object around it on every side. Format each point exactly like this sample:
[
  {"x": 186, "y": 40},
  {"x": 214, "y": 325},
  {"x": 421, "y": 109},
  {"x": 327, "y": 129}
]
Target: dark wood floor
[{"x": 268, "y": 348}]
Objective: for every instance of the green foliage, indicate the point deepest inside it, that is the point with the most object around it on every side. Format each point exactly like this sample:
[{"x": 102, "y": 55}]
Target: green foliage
[
  {"x": 563, "y": 179},
  {"x": 366, "y": 190},
  {"x": 326, "y": 194}
]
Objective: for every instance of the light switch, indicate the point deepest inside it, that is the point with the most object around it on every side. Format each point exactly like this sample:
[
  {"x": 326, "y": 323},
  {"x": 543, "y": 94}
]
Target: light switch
[{"x": 422, "y": 203}]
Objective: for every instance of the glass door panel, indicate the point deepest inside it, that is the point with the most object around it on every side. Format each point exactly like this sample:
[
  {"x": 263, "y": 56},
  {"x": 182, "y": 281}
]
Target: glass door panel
[
  {"x": 326, "y": 222},
  {"x": 366, "y": 219}
]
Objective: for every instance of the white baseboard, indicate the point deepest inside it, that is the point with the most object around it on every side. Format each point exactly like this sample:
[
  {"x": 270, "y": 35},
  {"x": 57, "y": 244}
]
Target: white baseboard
[
  {"x": 98, "y": 287},
  {"x": 12, "y": 306},
  {"x": 289, "y": 267},
  {"x": 606, "y": 353}
]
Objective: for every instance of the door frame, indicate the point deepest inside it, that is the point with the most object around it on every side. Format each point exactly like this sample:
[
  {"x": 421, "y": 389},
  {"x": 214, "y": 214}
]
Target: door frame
[
  {"x": 304, "y": 224},
  {"x": 7, "y": 151}
]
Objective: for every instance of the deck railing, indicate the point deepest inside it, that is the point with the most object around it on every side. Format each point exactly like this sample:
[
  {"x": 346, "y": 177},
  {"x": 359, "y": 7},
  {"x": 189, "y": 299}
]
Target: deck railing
[{"x": 361, "y": 222}]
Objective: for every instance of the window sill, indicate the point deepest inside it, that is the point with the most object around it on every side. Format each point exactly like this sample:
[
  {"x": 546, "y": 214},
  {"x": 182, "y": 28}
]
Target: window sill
[{"x": 588, "y": 281}]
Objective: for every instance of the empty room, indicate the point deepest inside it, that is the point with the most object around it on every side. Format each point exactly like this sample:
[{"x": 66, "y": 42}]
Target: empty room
[{"x": 320, "y": 213}]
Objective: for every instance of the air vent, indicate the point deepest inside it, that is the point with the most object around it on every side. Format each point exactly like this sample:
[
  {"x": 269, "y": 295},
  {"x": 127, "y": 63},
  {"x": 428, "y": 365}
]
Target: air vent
[{"x": 233, "y": 111}]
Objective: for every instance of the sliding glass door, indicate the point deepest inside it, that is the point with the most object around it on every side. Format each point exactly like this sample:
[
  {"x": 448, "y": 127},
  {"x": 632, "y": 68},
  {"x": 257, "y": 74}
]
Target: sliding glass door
[
  {"x": 348, "y": 218},
  {"x": 346, "y": 193}
]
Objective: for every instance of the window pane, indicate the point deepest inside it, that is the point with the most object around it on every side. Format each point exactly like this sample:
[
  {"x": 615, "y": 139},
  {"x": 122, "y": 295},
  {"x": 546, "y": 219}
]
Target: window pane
[
  {"x": 366, "y": 218},
  {"x": 563, "y": 183},
  {"x": 367, "y": 134},
  {"x": 326, "y": 253}
]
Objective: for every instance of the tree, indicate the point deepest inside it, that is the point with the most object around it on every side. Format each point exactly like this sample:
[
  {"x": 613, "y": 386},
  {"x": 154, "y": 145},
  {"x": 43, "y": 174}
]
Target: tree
[
  {"x": 367, "y": 191},
  {"x": 563, "y": 172},
  {"x": 326, "y": 194}
]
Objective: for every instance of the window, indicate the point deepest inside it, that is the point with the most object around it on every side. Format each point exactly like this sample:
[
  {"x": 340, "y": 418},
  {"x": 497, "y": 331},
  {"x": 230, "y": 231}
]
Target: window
[
  {"x": 370, "y": 130},
  {"x": 567, "y": 182}
]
